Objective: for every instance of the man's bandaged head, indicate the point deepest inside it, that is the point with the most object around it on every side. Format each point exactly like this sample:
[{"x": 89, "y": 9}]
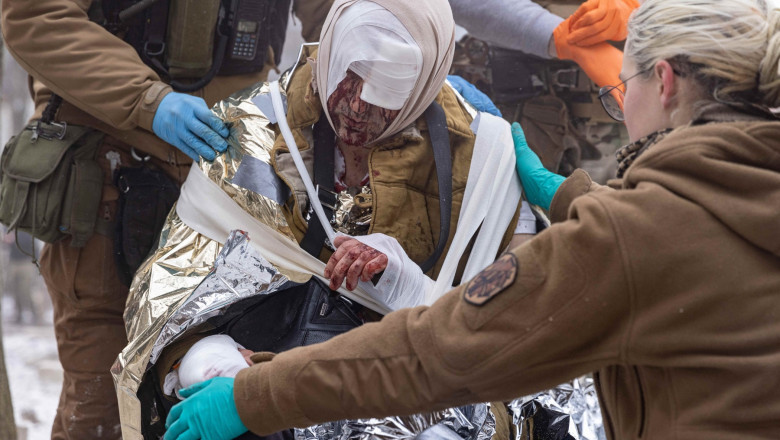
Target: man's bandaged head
[
  {"x": 379, "y": 49},
  {"x": 401, "y": 49}
]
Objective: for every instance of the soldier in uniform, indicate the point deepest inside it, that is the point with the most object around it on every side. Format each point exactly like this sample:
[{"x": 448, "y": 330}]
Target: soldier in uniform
[
  {"x": 542, "y": 62},
  {"x": 92, "y": 66}
]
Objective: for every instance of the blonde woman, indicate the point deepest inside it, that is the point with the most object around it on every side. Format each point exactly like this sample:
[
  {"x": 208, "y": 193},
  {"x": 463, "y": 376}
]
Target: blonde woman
[{"x": 666, "y": 288}]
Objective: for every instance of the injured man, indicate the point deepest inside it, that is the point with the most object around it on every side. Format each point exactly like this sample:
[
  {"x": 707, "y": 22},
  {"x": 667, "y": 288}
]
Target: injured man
[{"x": 394, "y": 190}]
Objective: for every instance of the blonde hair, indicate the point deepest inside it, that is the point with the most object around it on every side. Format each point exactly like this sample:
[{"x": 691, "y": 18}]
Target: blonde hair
[{"x": 730, "y": 47}]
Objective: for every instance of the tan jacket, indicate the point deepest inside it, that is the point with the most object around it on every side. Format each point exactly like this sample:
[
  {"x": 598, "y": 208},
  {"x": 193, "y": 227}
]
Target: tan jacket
[
  {"x": 401, "y": 171},
  {"x": 103, "y": 81},
  {"x": 668, "y": 289}
]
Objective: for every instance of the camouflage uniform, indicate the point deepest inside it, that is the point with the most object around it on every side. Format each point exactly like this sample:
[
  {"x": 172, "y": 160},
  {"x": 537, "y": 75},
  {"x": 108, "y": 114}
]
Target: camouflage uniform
[{"x": 554, "y": 100}]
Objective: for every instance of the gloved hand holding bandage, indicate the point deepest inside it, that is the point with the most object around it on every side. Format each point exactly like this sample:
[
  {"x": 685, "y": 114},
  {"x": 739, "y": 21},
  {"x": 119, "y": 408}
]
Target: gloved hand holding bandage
[
  {"x": 401, "y": 285},
  {"x": 208, "y": 413},
  {"x": 186, "y": 122}
]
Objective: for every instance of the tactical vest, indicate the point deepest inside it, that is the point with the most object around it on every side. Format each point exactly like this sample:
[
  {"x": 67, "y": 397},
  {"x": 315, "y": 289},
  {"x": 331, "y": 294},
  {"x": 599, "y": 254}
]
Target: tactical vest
[
  {"x": 554, "y": 100},
  {"x": 189, "y": 42}
]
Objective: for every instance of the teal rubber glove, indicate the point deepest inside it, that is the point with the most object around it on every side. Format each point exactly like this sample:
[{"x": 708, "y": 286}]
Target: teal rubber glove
[
  {"x": 208, "y": 413},
  {"x": 186, "y": 122},
  {"x": 473, "y": 95},
  {"x": 539, "y": 184}
]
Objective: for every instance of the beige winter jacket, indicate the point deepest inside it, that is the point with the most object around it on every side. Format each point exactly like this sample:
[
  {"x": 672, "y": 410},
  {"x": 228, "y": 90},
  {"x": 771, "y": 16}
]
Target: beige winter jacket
[
  {"x": 401, "y": 169},
  {"x": 668, "y": 289}
]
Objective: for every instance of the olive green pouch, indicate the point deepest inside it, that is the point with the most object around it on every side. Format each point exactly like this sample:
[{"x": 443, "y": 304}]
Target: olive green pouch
[
  {"x": 190, "y": 40},
  {"x": 50, "y": 184}
]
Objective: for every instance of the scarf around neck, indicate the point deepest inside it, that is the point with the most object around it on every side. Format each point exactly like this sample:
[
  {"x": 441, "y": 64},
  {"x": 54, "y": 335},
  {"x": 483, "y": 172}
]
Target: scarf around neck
[{"x": 705, "y": 112}]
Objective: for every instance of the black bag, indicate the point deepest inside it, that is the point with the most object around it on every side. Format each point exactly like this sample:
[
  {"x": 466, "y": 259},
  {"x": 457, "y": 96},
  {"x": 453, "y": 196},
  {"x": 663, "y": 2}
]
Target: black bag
[
  {"x": 296, "y": 315},
  {"x": 146, "y": 196},
  {"x": 301, "y": 315}
]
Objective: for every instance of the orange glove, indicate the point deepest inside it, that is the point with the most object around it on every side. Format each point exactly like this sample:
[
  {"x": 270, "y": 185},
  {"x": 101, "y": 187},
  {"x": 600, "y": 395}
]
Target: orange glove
[
  {"x": 596, "y": 21},
  {"x": 601, "y": 62}
]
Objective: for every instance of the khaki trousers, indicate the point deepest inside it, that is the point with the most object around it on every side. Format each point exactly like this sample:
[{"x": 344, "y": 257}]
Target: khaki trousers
[{"x": 89, "y": 302}]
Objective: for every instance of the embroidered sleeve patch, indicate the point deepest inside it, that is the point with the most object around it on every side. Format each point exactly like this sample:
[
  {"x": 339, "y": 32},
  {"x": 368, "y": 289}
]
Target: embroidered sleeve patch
[{"x": 491, "y": 281}]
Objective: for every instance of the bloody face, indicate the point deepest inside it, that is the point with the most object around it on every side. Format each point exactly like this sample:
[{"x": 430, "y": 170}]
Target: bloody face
[{"x": 357, "y": 122}]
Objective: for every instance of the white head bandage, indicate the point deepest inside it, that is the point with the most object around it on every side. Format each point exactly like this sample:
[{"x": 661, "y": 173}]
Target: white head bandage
[
  {"x": 372, "y": 42},
  {"x": 403, "y": 51}
]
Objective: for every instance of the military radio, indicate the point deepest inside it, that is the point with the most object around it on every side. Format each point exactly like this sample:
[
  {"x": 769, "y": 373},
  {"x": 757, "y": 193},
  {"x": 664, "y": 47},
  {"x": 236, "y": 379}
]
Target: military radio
[{"x": 251, "y": 35}]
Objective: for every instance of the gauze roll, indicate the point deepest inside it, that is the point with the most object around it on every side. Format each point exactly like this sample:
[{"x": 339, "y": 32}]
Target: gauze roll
[
  {"x": 212, "y": 356},
  {"x": 381, "y": 51}
]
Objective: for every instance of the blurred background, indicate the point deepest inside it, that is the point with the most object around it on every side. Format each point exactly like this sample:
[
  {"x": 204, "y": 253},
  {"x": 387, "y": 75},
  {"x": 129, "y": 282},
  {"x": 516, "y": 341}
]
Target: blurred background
[{"x": 35, "y": 376}]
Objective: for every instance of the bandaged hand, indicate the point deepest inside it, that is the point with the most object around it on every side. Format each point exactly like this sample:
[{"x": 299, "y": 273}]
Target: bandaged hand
[
  {"x": 213, "y": 356},
  {"x": 353, "y": 261},
  {"x": 597, "y": 21},
  {"x": 401, "y": 282}
]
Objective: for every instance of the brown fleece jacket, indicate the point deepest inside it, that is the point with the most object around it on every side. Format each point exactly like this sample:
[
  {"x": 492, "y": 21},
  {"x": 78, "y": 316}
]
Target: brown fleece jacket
[
  {"x": 668, "y": 289},
  {"x": 103, "y": 81}
]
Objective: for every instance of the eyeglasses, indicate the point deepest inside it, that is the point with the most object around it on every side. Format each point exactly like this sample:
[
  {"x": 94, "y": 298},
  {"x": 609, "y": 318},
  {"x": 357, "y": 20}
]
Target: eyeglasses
[{"x": 611, "y": 98}]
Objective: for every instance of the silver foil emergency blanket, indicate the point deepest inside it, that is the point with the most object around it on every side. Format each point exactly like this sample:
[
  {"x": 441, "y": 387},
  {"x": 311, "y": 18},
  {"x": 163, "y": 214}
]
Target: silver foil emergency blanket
[
  {"x": 352, "y": 214},
  {"x": 239, "y": 272},
  {"x": 184, "y": 257},
  {"x": 472, "y": 422},
  {"x": 569, "y": 411}
]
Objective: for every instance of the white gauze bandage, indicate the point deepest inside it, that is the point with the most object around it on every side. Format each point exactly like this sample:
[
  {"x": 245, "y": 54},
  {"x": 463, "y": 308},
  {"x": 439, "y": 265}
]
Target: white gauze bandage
[
  {"x": 212, "y": 356},
  {"x": 403, "y": 284},
  {"x": 375, "y": 45}
]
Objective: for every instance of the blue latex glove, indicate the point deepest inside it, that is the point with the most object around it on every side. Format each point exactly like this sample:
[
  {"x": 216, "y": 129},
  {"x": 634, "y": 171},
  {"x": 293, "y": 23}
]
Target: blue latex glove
[
  {"x": 539, "y": 184},
  {"x": 208, "y": 413},
  {"x": 473, "y": 95},
  {"x": 186, "y": 122}
]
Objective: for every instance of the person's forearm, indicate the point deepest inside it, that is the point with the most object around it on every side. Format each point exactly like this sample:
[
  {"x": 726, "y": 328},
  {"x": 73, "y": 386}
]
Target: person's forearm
[
  {"x": 511, "y": 331},
  {"x": 514, "y": 24},
  {"x": 576, "y": 185},
  {"x": 56, "y": 43}
]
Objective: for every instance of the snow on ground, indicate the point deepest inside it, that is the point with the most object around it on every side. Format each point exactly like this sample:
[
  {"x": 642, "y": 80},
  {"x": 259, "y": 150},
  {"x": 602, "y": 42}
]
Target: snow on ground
[{"x": 34, "y": 371}]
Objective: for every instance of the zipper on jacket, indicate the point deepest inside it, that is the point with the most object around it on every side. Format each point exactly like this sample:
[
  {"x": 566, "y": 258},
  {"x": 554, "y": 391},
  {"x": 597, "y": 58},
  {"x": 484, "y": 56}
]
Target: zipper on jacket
[
  {"x": 609, "y": 429},
  {"x": 642, "y": 409}
]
